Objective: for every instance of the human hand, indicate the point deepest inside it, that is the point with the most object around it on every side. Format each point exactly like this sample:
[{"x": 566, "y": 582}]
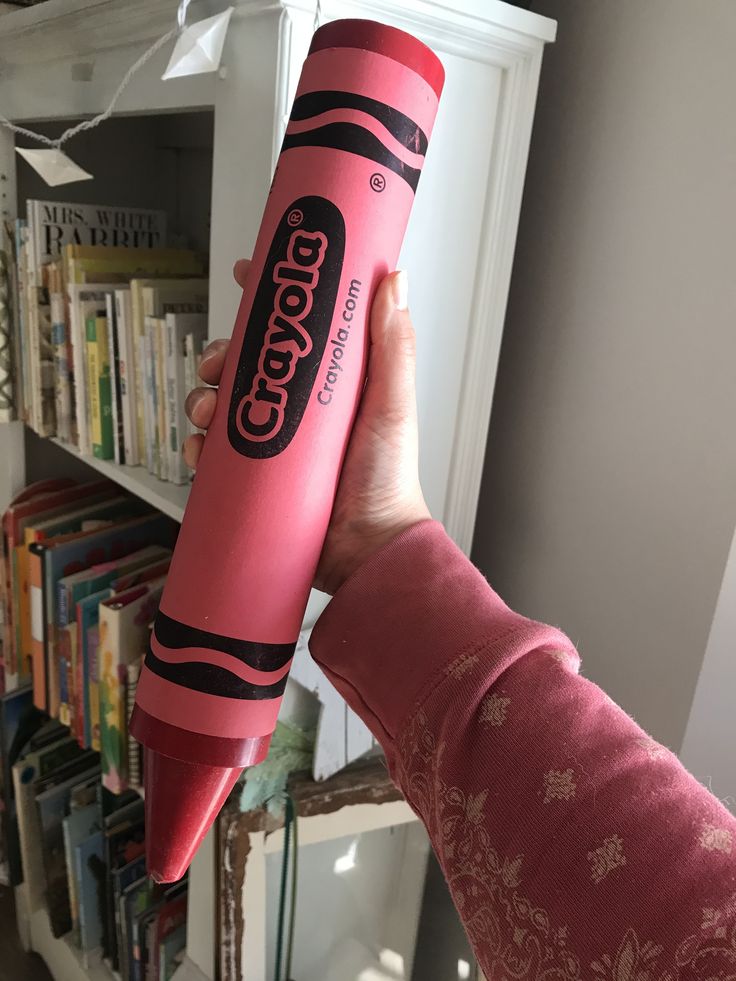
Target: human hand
[{"x": 379, "y": 494}]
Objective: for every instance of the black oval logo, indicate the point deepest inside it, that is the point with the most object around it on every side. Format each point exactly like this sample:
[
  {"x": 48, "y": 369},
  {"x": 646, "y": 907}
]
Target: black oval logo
[{"x": 287, "y": 329}]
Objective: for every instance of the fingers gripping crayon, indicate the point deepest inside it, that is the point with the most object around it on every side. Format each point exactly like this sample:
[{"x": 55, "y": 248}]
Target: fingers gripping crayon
[{"x": 258, "y": 512}]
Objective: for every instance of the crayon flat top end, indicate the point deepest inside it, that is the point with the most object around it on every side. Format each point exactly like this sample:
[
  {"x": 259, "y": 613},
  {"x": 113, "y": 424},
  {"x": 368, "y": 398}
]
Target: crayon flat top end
[
  {"x": 389, "y": 41},
  {"x": 182, "y": 801}
]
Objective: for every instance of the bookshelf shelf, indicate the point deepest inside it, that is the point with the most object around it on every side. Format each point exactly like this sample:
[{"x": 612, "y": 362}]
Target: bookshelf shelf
[
  {"x": 167, "y": 497},
  {"x": 63, "y": 960}
]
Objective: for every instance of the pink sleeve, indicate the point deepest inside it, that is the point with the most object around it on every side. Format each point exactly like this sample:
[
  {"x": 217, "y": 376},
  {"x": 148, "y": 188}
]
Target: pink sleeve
[{"x": 574, "y": 845}]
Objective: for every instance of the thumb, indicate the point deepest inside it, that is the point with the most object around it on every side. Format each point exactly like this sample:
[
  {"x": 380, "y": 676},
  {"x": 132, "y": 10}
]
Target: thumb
[{"x": 390, "y": 392}]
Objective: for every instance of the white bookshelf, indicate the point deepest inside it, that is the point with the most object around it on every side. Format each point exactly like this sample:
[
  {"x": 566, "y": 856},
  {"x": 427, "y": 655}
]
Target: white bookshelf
[
  {"x": 63, "y": 958},
  {"x": 467, "y": 202},
  {"x": 167, "y": 497}
]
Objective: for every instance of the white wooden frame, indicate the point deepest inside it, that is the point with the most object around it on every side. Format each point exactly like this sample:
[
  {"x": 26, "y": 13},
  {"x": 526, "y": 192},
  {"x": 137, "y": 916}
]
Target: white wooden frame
[{"x": 312, "y": 830}]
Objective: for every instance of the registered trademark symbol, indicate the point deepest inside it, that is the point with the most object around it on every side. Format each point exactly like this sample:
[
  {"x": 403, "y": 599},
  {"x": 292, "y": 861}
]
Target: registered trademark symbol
[
  {"x": 378, "y": 182},
  {"x": 296, "y": 217}
]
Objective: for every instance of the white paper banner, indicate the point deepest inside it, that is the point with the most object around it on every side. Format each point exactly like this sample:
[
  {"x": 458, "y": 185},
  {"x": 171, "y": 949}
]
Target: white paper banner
[
  {"x": 54, "y": 166},
  {"x": 199, "y": 47}
]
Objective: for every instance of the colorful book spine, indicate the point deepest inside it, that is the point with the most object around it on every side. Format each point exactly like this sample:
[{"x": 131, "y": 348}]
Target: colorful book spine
[
  {"x": 93, "y": 656},
  {"x": 128, "y": 392},
  {"x": 149, "y": 397},
  {"x": 98, "y": 362},
  {"x": 124, "y": 631},
  {"x": 64, "y": 653},
  {"x": 135, "y": 774},
  {"x": 162, "y": 459},
  {"x": 38, "y": 625},
  {"x": 116, "y": 398},
  {"x": 60, "y": 347}
]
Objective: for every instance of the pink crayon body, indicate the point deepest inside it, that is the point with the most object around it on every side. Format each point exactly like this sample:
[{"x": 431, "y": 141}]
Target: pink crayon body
[{"x": 210, "y": 690}]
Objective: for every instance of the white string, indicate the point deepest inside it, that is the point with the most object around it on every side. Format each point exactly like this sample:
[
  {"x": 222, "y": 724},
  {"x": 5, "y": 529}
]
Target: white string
[
  {"x": 181, "y": 14},
  {"x": 317, "y": 15},
  {"x": 56, "y": 144},
  {"x": 91, "y": 123}
]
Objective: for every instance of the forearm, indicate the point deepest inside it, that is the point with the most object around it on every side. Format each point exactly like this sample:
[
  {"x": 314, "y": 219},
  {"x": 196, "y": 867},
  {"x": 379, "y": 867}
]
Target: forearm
[{"x": 559, "y": 825}]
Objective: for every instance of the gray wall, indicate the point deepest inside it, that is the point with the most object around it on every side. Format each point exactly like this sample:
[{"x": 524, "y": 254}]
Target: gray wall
[{"x": 609, "y": 495}]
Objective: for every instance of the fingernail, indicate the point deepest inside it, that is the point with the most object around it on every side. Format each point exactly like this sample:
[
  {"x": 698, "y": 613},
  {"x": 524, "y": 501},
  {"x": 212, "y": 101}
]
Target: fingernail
[
  {"x": 209, "y": 352},
  {"x": 400, "y": 289},
  {"x": 193, "y": 400}
]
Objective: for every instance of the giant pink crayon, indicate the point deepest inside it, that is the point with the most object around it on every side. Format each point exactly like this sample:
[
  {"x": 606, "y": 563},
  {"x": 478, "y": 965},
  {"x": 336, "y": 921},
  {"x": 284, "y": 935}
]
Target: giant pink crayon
[{"x": 258, "y": 512}]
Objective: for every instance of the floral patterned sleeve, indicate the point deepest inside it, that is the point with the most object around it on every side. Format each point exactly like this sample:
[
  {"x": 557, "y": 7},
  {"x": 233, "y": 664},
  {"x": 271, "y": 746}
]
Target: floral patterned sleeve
[{"x": 574, "y": 845}]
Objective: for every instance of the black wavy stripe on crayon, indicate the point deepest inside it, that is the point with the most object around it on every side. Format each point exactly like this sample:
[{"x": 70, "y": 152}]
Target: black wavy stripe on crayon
[
  {"x": 263, "y": 657},
  {"x": 406, "y": 131},
  {"x": 212, "y": 680},
  {"x": 354, "y": 139}
]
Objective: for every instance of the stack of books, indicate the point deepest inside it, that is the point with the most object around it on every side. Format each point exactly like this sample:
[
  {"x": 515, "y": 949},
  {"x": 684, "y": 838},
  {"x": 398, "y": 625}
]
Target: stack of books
[
  {"x": 83, "y": 572},
  {"x": 81, "y": 851},
  {"x": 108, "y": 326},
  {"x": 84, "y": 569}
]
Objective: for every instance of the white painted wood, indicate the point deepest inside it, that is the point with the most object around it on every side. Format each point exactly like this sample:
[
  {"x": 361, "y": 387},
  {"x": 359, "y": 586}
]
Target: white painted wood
[
  {"x": 188, "y": 971},
  {"x": 242, "y": 164},
  {"x": 202, "y": 906},
  {"x": 253, "y": 955},
  {"x": 12, "y": 452},
  {"x": 169, "y": 498},
  {"x": 315, "y": 830},
  {"x": 356, "y": 819},
  {"x": 330, "y": 751},
  {"x": 63, "y": 960},
  {"x": 710, "y": 736}
]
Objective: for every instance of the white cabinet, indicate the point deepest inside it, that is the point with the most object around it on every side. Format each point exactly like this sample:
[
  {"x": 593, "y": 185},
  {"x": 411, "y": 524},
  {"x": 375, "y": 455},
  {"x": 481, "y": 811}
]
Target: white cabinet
[{"x": 459, "y": 247}]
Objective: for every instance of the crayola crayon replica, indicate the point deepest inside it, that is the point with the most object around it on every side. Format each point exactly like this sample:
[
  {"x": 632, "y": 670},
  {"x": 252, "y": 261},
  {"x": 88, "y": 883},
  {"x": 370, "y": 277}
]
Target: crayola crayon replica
[{"x": 231, "y": 611}]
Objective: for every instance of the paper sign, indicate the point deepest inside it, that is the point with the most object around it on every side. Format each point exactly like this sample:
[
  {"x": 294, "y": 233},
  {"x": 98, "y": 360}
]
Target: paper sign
[
  {"x": 54, "y": 166},
  {"x": 199, "y": 47}
]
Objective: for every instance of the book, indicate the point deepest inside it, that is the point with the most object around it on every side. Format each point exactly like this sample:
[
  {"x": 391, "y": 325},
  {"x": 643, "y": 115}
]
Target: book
[
  {"x": 54, "y": 224},
  {"x": 135, "y": 756},
  {"x": 83, "y": 300},
  {"x": 124, "y": 841},
  {"x": 135, "y": 900},
  {"x": 88, "y": 618},
  {"x": 155, "y": 298},
  {"x": 148, "y": 400},
  {"x": 42, "y": 580},
  {"x": 19, "y": 720},
  {"x": 89, "y": 871},
  {"x": 116, "y": 395},
  {"x": 10, "y": 247},
  {"x": 66, "y": 639},
  {"x": 20, "y": 512},
  {"x": 161, "y": 422},
  {"x": 64, "y": 555},
  {"x": 8, "y": 376},
  {"x": 126, "y": 375},
  {"x": 170, "y": 951},
  {"x": 124, "y": 632},
  {"x": 191, "y": 375},
  {"x": 100, "y": 395},
  {"x": 53, "y": 805},
  {"x": 178, "y": 326},
  {"x": 79, "y": 825},
  {"x": 61, "y": 349},
  {"x": 21, "y": 303},
  {"x": 122, "y": 878},
  {"x": 42, "y": 405},
  {"x": 170, "y": 918},
  {"x": 118, "y": 572},
  {"x": 35, "y": 764}
]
